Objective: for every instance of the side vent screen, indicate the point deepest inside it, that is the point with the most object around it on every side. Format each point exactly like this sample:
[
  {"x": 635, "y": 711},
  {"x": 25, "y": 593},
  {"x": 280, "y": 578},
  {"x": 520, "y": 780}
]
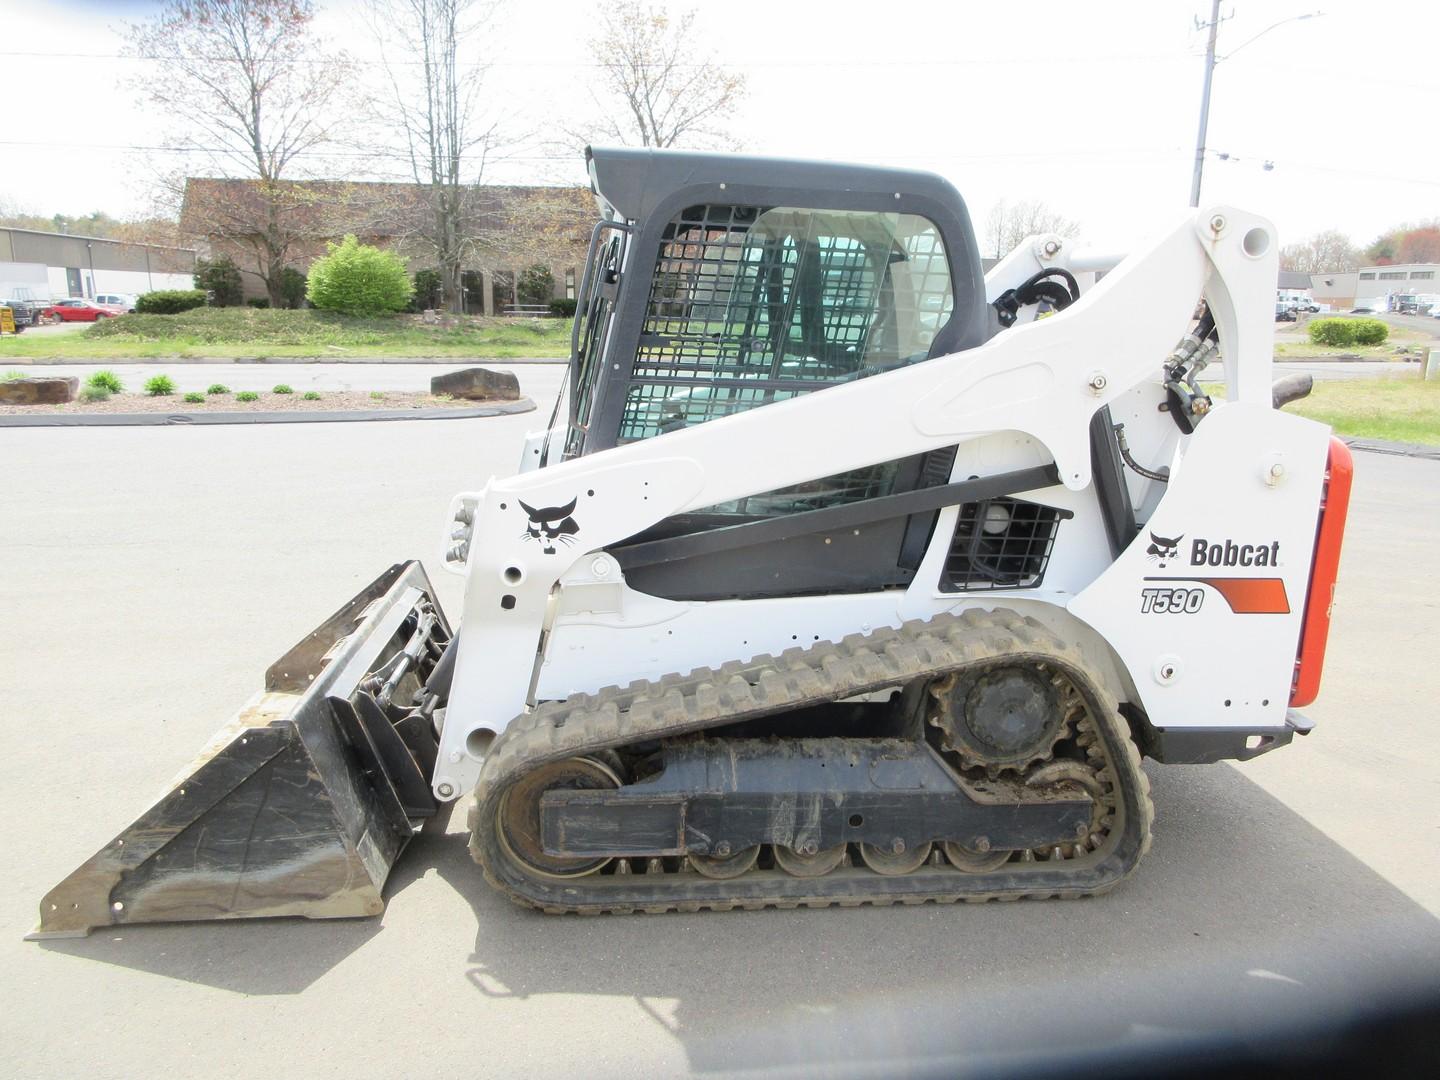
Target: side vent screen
[{"x": 1000, "y": 543}]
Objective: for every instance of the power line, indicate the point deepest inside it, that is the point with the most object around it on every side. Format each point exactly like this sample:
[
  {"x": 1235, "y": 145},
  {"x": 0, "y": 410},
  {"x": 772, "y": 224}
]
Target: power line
[
  {"x": 841, "y": 62},
  {"x": 1024, "y": 155}
]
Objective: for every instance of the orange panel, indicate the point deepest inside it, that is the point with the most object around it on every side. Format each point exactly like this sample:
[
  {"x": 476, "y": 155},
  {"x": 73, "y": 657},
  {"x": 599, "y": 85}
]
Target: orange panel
[
  {"x": 1323, "y": 571},
  {"x": 1251, "y": 596}
]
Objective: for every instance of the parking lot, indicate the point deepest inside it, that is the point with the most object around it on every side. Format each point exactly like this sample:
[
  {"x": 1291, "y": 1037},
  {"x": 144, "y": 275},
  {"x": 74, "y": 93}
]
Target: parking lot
[{"x": 154, "y": 573}]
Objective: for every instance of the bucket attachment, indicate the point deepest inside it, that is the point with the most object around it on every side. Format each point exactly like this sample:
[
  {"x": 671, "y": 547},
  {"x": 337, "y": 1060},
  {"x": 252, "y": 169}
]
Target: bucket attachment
[{"x": 303, "y": 802}]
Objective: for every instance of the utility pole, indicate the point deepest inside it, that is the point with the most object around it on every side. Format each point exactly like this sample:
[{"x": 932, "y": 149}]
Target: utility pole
[
  {"x": 1205, "y": 104},
  {"x": 1210, "y": 61}
]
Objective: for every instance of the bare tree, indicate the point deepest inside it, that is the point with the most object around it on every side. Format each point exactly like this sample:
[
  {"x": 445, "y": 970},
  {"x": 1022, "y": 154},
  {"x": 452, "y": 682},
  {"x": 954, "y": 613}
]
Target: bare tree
[
  {"x": 1325, "y": 251},
  {"x": 248, "y": 90},
  {"x": 659, "y": 88},
  {"x": 1008, "y": 224},
  {"x": 435, "y": 108}
]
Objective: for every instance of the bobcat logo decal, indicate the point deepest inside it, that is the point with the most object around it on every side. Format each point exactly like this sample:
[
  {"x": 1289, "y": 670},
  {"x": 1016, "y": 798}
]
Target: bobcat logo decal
[
  {"x": 551, "y": 523},
  {"x": 1162, "y": 548}
]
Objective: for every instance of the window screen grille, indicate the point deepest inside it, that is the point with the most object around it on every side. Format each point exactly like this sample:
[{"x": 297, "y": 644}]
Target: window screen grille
[
  {"x": 1000, "y": 543},
  {"x": 750, "y": 305}
]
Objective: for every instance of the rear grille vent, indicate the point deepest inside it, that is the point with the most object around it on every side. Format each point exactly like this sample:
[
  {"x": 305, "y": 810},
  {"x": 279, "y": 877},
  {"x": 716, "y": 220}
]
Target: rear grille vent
[{"x": 1000, "y": 544}]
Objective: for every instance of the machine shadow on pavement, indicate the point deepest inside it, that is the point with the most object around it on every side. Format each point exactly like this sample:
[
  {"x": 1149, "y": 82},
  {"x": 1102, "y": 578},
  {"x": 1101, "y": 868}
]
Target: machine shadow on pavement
[
  {"x": 1243, "y": 914},
  {"x": 253, "y": 957}
]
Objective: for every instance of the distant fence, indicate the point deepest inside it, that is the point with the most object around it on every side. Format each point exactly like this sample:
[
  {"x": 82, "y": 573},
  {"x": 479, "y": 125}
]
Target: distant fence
[{"x": 532, "y": 310}]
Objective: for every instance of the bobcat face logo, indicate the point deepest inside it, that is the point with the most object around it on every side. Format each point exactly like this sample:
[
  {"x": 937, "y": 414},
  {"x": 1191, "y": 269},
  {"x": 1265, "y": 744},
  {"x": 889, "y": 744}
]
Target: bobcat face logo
[
  {"x": 1162, "y": 548},
  {"x": 551, "y": 523}
]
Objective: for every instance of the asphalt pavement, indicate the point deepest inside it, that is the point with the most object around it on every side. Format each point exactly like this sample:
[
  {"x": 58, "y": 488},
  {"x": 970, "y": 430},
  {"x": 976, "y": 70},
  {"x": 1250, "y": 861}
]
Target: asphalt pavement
[{"x": 153, "y": 574}]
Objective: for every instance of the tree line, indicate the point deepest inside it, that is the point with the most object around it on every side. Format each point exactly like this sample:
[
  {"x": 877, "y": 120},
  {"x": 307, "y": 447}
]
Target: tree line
[
  {"x": 258, "y": 95},
  {"x": 153, "y": 230},
  {"x": 1331, "y": 250}
]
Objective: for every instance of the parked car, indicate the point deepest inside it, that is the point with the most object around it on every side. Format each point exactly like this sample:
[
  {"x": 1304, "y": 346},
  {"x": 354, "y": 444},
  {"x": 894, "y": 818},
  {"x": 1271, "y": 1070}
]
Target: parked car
[
  {"x": 1284, "y": 312},
  {"x": 125, "y": 303},
  {"x": 76, "y": 310}
]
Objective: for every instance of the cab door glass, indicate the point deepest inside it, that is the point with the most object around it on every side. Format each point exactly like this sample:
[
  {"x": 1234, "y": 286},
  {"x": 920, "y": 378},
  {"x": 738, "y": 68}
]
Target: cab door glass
[{"x": 750, "y": 305}]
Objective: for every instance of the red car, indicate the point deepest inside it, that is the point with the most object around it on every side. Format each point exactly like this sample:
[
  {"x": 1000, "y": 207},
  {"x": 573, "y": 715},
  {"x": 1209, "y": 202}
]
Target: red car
[{"x": 77, "y": 311}]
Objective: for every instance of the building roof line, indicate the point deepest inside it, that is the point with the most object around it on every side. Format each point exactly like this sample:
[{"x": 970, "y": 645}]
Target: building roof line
[{"x": 94, "y": 239}]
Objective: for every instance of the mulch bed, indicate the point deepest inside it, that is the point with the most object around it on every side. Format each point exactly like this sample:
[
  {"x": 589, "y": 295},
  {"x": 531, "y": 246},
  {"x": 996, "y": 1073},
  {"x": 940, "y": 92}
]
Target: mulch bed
[{"x": 330, "y": 401}]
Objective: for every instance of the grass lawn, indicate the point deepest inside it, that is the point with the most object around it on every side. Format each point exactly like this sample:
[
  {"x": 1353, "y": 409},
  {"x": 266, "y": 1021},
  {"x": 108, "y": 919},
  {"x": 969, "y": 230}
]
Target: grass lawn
[
  {"x": 1402, "y": 339},
  {"x": 228, "y": 332},
  {"x": 1401, "y": 408}
]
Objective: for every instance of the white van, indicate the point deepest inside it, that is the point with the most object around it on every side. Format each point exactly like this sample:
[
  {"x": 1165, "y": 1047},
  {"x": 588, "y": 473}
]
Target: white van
[{"x": 120, "y": 300}]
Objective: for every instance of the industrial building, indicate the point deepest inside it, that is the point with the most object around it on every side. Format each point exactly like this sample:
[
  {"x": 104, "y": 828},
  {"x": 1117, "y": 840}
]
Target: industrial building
[
  {"x": 50, "y": 266},
  {"x": 1371, "y": 287}
]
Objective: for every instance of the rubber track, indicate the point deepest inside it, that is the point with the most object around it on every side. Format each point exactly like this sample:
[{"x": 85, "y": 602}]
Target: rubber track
[{"x": 743, "y": 690}]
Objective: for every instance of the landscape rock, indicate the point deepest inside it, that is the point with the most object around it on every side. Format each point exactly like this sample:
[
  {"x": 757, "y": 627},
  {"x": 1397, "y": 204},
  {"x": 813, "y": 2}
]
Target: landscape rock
[
  {"x": 40, "y": 390},
  {"x": 477, "y": 384}
]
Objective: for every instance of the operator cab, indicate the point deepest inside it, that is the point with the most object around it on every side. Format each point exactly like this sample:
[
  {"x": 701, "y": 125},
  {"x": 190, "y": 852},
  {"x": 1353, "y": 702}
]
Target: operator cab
[{"x": 717, "y": 283}]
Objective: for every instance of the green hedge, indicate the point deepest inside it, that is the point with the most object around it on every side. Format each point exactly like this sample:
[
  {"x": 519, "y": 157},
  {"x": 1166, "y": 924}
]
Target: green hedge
[
  {"x": 357, "y": 279},
  {"x": 1371, "y": 331},
  {"x": 292, "y": 287},
  {"x": 219, "y": 278},
  {"x": 562, "y": 308},
  {"x": 428, "y": 290},
  {"x": 169, "y": 301},
  {"x": 535, "y": 285},
  {"x": 1341, "y": 332}
]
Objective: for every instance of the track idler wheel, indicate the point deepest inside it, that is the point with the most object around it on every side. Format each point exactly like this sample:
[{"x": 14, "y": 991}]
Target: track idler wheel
[
  {"x": 722, "y": 867},
  {"x": 813, "y": 863},
  {"x": 891, "y": 861},
  {"x": 519, "y": 816},
  {"x": 974, "y": 862}
]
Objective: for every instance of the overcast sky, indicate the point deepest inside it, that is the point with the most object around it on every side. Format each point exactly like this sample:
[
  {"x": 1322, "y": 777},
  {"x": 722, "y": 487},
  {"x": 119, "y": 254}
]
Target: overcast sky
[{"x": 1091, "y": 107}]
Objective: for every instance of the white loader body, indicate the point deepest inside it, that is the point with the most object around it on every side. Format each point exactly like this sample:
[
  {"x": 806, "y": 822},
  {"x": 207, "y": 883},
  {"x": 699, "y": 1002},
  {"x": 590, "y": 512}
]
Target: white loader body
[{"x": 1024, "y": 398}]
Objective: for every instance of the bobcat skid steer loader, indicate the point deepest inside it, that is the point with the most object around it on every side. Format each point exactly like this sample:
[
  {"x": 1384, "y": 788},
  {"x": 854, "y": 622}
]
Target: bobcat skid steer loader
[{"x": 843, "y": 574}]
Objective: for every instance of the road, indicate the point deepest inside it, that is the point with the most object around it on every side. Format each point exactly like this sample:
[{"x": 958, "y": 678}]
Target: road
[
  {"x": 543, "y": 377},
  {"x": 153, "y": 573},
  {"x": 1344, "y": 369}
]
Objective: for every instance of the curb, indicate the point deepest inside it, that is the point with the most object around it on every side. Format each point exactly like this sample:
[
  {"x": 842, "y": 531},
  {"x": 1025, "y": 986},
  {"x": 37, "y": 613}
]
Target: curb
[
  {"x": 1395, "y": 449},
  {"x": 524, "y": 405},
  {"x": 1353, "y": 359},
  {"x": 173, "y": 361}
]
